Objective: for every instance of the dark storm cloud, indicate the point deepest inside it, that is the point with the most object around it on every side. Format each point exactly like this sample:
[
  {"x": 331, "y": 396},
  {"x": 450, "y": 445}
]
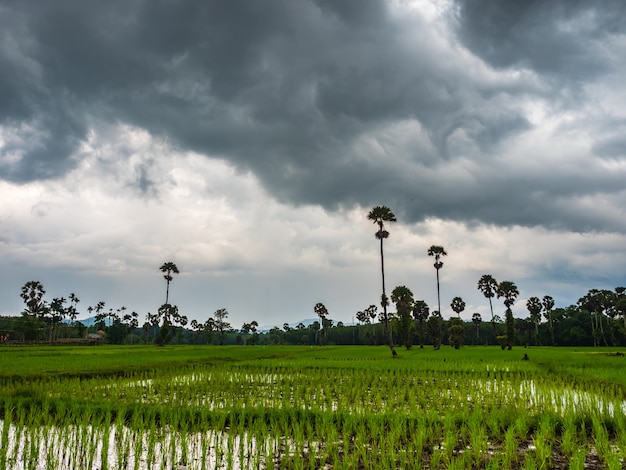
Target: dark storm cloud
[
  {"x": 299, "y": 92},
  {"x": 562, "y": 38}
]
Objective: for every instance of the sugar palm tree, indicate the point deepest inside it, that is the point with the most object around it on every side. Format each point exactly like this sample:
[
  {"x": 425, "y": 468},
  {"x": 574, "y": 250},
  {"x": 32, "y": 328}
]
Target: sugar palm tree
[
  {"x": 534, "y": 307},
  {"x": 458, "y": 305},
  {"x": 322, "y": 312},
  {"x": 488, "y": 286},
  {"x": 508, "y": 290},
  {"x": 379, "y": 215},
  {"x": 32, "y": 295},
  {"x": 437, "y": 252},
  {"x": 168, "y": 268}
]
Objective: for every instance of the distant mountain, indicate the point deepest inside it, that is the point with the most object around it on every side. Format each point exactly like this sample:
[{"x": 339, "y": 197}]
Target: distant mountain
[{"x": 89, "y": 321}]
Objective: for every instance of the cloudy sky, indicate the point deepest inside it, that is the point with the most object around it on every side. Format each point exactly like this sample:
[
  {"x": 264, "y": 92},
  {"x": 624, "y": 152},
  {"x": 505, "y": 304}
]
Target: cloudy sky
[{"x": 246, "y": 141}]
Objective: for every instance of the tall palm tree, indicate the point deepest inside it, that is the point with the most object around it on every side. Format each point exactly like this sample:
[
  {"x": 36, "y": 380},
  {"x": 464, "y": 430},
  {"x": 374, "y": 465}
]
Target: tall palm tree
[
  {"x": 508, "y": 290},
  {"x": 488, "y": 286},
  {"x": 168, "y": 268},
  {"x": 437, "y": 252},
  {"x": 379, "y": 215}
]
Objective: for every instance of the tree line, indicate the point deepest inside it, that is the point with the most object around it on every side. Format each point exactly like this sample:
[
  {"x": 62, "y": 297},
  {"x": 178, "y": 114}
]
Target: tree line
[{"x": 598, "y": 318}]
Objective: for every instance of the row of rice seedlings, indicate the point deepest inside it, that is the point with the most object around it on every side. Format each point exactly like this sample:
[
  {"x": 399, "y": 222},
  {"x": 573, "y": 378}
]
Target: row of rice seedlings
[
  {"x": 350, "y": 389},
  {"x": 371, "y": 443}
]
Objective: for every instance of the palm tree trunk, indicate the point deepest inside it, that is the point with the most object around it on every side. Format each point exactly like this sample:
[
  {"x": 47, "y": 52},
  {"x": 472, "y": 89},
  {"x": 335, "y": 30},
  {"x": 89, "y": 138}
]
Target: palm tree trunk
[
  {"x": 602, "y": 329},
  {"x": 386, "y": 318},
  {"x": 593, "y": 330},
  {"x": 438, "y": 295}
]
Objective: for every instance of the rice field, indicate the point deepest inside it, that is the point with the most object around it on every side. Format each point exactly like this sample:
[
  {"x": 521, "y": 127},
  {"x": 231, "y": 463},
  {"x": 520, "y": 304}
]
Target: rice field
[{"x": 280, "y": 407}]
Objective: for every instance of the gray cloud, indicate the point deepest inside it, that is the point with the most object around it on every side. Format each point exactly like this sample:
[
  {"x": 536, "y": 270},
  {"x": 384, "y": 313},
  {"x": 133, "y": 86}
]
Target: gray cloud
[{"x": 309, "y": 96}]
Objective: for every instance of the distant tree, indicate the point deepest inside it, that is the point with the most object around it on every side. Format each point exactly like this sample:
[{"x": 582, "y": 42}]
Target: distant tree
[
  {"x": 435, "y": 327},
  {"x": 168, "y": 268},
  {"x": 100, "y": 316},
  {"x": 315, "y": 329},
  {"x": 438, "y": 252},
  {"x": 275, "y": 335},
  {"x": 620, "y": 305},
  {"x": 403, "y": 298},
  {"x": 208, "y": 328},
  {"x": 421, "y": 313},
  {"x": 221, "y": 325},
  {"x": 248, "y": 328},
  {"x": 368, "y": 315},
  {"x": 548, "y": 304},
  {"x": 245, "y": 331},
  {"x": 253, "y": 331},
  {"x": 379, "y": 215},
  {"x": 594, "y": 304},
  {"x": 488, "y": 286},
  {"x": 167, "y": 314},
  {"x": 458, "y": 305},
  {"x": 533, "y": 304},
  {"x": 456, "y": 332},
  {"x": 508, "y": 290},
  {"x": 327, "y": 325},
  {"x": 32, "y": 295},
  {"x": 117, "y": 331},
  {"x": 322, "y": 312},
  {"x": 56, "y": 314},
  {"x": 72, "y": 311},
  {"x": 133, "y": 324},
  {"x": 477, "y": 320}
]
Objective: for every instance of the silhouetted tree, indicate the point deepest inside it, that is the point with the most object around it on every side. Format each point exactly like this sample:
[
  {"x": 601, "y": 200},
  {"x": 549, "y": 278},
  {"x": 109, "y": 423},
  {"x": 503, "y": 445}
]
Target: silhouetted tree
[
  {"x": 380, "y": 215},
  {"x": 168, "y": 268},
  {"x": 403, "y": 298},
  {"x": 508, "y": 290},
  {"x": 488, "y": 286},
  {"x": 438, "y": 252}
]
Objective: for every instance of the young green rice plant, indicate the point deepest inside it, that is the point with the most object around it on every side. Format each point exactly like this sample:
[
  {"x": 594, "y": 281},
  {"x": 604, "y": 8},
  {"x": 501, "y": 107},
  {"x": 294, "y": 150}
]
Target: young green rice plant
[
  {"x": 577, "y": 460},
  {"x": 510, "y": 454},
  {"x": 602, "y": 442},
  {"x": 543, "y": 439},
  {"x": 477, "y": 441},
  {"x": 621, "y": 435}
]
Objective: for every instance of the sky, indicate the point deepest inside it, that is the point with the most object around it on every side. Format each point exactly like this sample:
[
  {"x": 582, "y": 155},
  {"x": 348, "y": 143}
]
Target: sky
[{"x": 247, "y": 141}]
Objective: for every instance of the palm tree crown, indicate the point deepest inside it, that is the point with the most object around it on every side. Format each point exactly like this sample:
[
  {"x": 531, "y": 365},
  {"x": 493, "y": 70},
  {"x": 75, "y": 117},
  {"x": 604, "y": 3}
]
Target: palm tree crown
[
  {"x": 458, "y": 305},
  {"x": 380, "y": 215},
  {"x": 509, "y": 291}
]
